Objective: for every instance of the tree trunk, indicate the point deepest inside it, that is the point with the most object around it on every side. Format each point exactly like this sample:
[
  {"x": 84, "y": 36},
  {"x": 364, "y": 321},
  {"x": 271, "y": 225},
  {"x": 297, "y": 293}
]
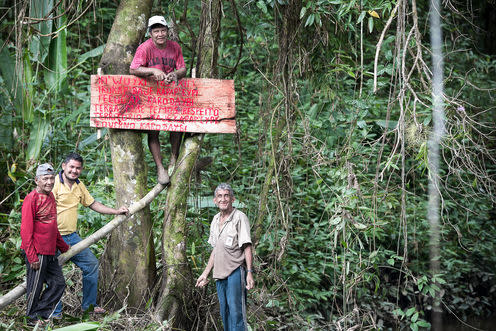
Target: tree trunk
[
  {"x": 128, "y": 264},
  {"x": 176, "y": 278}
]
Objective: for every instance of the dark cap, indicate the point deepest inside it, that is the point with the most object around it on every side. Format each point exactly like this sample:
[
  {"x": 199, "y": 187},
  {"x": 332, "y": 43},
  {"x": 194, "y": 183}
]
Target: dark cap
[{"x": 45, "y": 169}]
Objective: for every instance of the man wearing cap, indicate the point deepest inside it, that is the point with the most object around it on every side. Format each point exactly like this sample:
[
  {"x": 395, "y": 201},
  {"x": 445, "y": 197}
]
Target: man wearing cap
[
  {"x": 69, "y": 192},
  {"x": 161, "y": 59},
  {"x": 40, "y": 240},
  {"x": 231, "y": 259}
]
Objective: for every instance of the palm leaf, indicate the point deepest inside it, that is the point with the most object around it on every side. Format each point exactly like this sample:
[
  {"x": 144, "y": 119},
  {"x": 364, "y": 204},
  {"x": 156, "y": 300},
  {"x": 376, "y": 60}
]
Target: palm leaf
[{"x": 38, "y": 44}]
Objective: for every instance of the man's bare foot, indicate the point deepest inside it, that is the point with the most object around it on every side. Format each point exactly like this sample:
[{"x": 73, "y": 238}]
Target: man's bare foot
[{"x": 163, "y": 177}]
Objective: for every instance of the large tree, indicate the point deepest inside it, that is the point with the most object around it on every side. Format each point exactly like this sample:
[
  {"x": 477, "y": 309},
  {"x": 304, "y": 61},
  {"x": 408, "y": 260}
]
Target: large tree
[
  {"x": 128, "y": 264},
  {"x": 176, "y": 276}
]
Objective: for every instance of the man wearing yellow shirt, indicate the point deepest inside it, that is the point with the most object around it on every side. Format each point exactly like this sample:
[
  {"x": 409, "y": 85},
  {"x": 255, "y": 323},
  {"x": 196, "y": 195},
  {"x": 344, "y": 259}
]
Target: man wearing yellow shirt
[{"x": 69, "y": 192}]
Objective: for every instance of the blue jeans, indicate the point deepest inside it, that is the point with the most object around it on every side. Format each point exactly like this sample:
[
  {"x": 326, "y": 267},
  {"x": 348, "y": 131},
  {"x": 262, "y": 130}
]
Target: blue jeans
[
  {"x": 232, "y": 299},
  {"x": 88, "y": 263}
]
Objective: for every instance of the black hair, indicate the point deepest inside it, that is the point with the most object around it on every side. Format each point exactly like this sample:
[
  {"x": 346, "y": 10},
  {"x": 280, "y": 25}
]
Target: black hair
[
  {"x": 157, "y": 25},
  {"x": 73, "y": 156}
]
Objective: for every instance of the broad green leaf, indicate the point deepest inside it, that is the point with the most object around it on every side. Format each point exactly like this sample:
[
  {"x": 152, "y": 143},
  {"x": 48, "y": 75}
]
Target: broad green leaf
[
  {"x": 360, "y": 226},
  {"x": 6, "y": 130},
  {"x": 361, "y": 17},
  {"x": 310, "y": 20},
  {"x": 261, "y": 4},
  {"x": 423, "y": 324},
  {"x": 7, "y": 68},
  {"x": 390, "y": 124},
  {"x": 410, "y": 311},
  {"x": 80, "y": 327},
  {"x": 36, "y": 138},
  {"x": 28, "y": 91},
  {"x": 55, "y": 76},
  {"x": 415, "y": 317},
  {"x": 39, "y": 45},
  {"x": 371, "y": 24},
  {"x": 93, "y": 53},
  {"x": 303, "y": 12}
]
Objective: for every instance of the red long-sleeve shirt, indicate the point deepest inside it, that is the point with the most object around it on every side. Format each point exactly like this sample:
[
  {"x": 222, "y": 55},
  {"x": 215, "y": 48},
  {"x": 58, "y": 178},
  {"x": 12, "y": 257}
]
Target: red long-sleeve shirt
[{"x": 39, "y": 232}]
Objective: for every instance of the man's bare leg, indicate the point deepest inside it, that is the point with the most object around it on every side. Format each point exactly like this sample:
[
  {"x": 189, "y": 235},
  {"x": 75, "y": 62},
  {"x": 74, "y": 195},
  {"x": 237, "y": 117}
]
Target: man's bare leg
[
  {"x": 154, "y": 145},
  {"x": 175, "y": 141}
]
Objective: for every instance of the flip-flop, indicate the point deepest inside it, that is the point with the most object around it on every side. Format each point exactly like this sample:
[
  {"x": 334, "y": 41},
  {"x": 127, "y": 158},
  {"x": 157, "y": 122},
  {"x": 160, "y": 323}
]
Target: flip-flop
[
  {"x": 34, "y": 322},
  {"x": 99, "y": 310}
]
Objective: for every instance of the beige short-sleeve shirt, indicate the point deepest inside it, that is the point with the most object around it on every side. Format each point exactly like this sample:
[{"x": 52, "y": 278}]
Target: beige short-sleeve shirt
[
  {"x": 228, "y": 242},
  {"x": 68, "y": 200}
]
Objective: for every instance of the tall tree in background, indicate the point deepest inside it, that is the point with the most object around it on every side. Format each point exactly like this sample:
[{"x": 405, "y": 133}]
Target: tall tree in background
[{"x": 128, "y": 264}]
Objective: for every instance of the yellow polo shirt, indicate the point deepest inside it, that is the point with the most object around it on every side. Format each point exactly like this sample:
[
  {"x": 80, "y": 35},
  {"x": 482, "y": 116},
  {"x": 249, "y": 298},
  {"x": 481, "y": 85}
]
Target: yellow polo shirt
[{"x": 68, "y": 199}]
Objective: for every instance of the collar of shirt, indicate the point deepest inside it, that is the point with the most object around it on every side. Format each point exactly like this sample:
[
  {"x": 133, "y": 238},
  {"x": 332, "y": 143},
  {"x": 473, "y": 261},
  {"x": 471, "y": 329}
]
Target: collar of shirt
[
  {"x": 229, "y": 219},
  {"x": 61, "y": 177}
]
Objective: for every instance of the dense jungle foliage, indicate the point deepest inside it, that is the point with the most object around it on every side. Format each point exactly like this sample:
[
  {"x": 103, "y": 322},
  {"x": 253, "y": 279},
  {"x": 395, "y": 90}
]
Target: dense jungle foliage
[{"x": 333, "y": 103}]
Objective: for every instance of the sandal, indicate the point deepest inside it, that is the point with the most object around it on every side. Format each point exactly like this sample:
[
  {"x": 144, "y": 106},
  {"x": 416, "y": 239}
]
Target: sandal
[
  {"x": 95, "y": 310},
  {"x": 99, "y": 310},
  {"x": 34, "y": 322}
]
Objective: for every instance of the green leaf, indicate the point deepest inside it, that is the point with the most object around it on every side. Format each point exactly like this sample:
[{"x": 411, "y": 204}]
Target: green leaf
[
  {"x": 390, "y": 261},
  {"x": 80, "y": 327},
  {"x": 28, "y": 91},
  {"x": 36, "y": 138},
  {"x": 55, "y": 76},
  {"x": 39, "y": 45},
  {"x": 415, "y": 317},
  {"x": 423, "y": 324},
  {"x": 371, "y": 24},
  {"x": 93, "y": 53},
  {"x": 410, "y": 311},
  {"x": 390, "y": 124},
  {"x": 261, "y": 4},
  {"x": 310, "y": 20},
  {"x": 7, "y": 68},
  {"x": 361, "y": 17},
  {"x": 303, "y": 12},
  {"x": 360, "y": 226}
]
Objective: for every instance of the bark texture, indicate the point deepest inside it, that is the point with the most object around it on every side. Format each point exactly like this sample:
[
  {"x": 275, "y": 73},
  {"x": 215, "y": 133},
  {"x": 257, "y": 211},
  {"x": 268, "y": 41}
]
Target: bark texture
[
  {"x": 128, "y": 264},
  {"x": 177, "y": 280}
]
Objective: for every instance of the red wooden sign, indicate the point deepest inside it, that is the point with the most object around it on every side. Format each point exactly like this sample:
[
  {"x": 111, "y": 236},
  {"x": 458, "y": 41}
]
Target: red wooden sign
[{"x": 192, "y": 105}]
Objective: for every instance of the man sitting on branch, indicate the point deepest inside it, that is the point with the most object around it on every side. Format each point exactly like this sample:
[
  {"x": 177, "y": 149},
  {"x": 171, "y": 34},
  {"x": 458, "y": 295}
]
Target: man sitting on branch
[{"x": 162, "y": 60}]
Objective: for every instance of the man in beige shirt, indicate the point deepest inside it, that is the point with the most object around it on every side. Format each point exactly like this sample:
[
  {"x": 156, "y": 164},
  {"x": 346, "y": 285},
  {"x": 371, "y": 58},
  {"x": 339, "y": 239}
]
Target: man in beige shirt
[
  {"x": 70, "y": 192},
  {"x": 231, "y": 259}
]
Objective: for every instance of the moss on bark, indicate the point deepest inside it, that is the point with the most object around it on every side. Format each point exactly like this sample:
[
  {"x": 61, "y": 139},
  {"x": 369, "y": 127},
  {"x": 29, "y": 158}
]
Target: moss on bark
[
  {"x": 128, "y": 264},
  {"x": 177, "y": 279}
]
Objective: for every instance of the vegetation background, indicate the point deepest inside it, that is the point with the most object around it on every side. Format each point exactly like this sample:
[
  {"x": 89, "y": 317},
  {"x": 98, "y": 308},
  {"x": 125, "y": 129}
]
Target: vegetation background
[{"x": 333, "y": 104}]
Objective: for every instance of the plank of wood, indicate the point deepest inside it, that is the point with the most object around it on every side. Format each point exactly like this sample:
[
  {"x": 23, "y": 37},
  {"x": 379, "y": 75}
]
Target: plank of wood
[
  {"x": 223, "y": 126},
  {"x": 192, "y": 105}
]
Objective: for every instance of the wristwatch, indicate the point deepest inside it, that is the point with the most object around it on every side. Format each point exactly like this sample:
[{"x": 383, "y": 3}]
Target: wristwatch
[{"x": 249, "y": 270}]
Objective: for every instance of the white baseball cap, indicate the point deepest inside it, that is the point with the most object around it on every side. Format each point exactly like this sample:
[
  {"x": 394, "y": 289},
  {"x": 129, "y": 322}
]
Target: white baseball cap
[{"x": 157, "y": 20}]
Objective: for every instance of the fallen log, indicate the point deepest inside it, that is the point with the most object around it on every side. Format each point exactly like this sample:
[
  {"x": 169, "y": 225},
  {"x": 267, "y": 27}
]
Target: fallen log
[{"x": 19, "y": 290}]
